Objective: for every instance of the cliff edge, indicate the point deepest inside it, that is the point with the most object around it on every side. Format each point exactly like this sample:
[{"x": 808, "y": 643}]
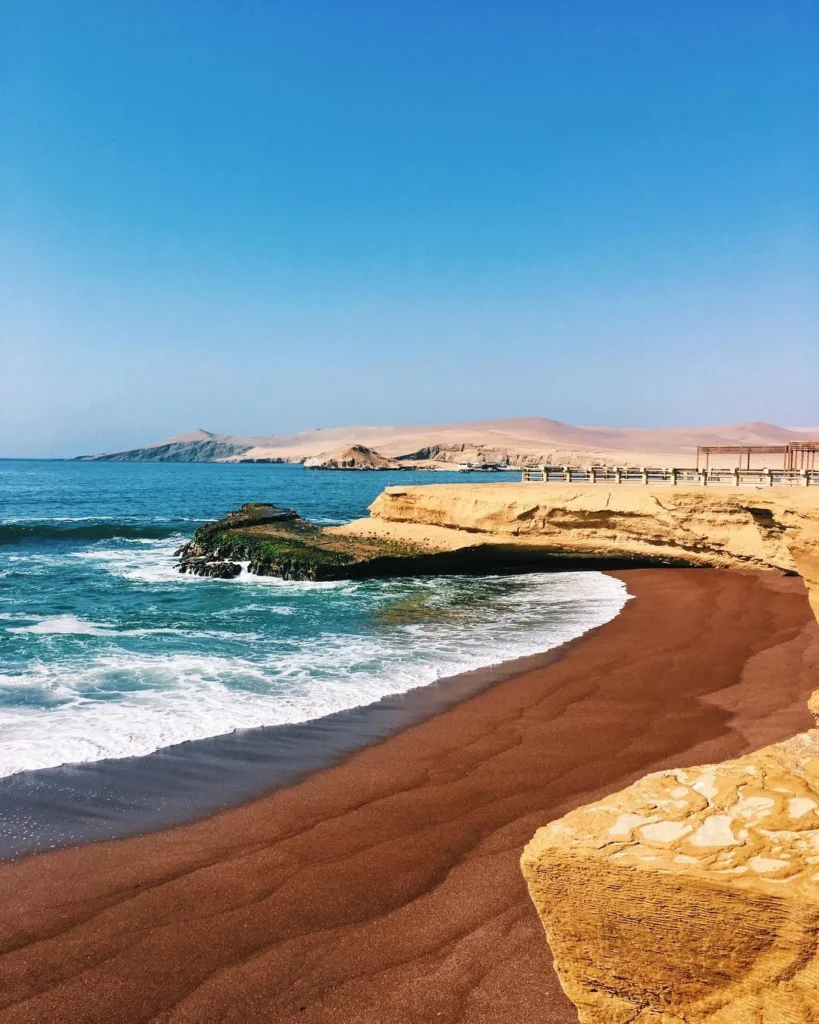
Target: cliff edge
[{"x": 721, "y": 527}]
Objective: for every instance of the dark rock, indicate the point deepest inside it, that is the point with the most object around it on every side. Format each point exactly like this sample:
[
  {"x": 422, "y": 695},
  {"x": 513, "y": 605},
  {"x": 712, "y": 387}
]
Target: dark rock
[
  {"x": 218, "y": 569},
  {"x": 258, "y": 514}
]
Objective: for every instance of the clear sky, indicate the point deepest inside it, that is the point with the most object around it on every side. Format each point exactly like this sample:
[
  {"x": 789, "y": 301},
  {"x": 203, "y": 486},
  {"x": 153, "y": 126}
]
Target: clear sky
[{"x": 257, "y": 216}]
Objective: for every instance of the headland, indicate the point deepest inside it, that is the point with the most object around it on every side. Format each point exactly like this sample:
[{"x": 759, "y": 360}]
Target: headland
[{"x": 739, "y": 528}]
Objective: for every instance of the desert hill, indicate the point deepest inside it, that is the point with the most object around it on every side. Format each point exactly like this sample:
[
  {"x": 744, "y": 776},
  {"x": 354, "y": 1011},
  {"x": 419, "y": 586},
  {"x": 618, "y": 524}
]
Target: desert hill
[
  {"x": 522, "y": 440},
  {"x": 193, "y": 446}
]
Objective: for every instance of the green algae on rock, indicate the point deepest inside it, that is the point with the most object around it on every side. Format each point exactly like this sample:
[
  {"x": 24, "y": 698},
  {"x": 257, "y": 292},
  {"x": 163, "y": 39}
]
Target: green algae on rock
[{"x": 279, "y": 542}]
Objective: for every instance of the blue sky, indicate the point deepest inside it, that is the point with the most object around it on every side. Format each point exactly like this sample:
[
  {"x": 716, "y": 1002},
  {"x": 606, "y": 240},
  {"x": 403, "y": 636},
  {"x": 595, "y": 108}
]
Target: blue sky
[{"x": 261, "y": 216}]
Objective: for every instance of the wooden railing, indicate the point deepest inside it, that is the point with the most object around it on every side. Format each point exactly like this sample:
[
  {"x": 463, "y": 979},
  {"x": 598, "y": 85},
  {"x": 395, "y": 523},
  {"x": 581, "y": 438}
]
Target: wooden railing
[{"x": 653, "y": 475}]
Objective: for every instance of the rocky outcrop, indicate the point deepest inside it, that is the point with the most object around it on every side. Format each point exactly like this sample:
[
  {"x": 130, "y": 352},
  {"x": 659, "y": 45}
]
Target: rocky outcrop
[
  {"x": 275, "y": 541},
  {"x": 356, "y": 456},
  {"x": 446, "y": 454},
  {"x": 771, "y": 528},
  {"x": 215, "y": 545},
  {"x": 208, "y": 565},
  {"x": 692, "y": 897}
]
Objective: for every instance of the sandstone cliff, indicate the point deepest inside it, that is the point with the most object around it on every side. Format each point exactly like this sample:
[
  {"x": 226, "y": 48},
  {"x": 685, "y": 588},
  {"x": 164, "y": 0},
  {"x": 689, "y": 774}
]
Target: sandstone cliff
[
  {"x": 692, "y": 897},
  {"x": 772, "y": 528}
]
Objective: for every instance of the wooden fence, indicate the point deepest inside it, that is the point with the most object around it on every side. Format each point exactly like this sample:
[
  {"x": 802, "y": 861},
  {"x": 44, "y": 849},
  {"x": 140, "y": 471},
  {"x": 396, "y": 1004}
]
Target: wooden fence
[{"x": 651, "y": 475}]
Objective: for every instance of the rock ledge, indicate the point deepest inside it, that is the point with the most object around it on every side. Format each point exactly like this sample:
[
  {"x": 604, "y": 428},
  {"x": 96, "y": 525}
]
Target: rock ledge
[{"x": 692, "y": 897}]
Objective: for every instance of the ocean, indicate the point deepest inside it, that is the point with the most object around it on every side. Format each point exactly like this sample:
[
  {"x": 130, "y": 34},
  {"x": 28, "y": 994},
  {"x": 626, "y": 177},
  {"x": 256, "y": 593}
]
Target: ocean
[{"x": 107, "y": 652}]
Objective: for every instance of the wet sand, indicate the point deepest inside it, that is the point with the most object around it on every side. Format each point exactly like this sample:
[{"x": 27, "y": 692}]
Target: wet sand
[
  {"x": 114, "y": 798},
  {"x": 386, "y": 890}
]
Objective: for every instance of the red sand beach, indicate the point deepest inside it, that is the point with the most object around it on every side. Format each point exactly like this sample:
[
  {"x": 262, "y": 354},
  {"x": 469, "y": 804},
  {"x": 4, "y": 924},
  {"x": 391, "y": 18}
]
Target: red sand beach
[{"x": 386, "y": 890}]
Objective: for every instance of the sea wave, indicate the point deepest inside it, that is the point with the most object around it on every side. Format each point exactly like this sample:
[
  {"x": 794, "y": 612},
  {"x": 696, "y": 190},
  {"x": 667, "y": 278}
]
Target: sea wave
[
  {"x": 113, "y": 702},
  {"x": 23, "y": 532},
  {"x": 63, "y": 624},
  {"x": 73, "y": 625}
]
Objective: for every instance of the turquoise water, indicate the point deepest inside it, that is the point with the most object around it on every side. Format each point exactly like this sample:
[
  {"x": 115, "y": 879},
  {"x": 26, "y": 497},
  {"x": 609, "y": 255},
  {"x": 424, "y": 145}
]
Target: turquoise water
[{"x": 106, "y": 651}]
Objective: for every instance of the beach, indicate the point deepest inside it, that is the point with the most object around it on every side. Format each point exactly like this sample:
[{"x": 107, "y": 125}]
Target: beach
[{"x": 386, "y": 889}]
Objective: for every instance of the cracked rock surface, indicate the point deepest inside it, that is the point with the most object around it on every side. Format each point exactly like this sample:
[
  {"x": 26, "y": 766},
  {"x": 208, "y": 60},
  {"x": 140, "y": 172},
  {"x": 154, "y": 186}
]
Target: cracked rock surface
[{"x": 692, "y": 896}]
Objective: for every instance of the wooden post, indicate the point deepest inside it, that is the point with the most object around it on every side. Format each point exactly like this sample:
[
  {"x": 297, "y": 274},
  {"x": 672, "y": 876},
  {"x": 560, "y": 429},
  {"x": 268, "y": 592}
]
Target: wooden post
[
  {"x": 592, "y": 474},
  {"x": 673, "y": 476},
  {"x": 567, "y": 474},
  {"x": 618, "y": 475},
  {"x": 735, "y": 481},
  {"x": 644, "y": 471}
]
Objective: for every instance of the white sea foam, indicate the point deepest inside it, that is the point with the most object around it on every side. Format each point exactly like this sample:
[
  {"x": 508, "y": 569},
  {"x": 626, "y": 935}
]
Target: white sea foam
[
  {"x": 101, "y": 519},
  {"x": 153, "y": 562},
  {"x": 271, "y": 609},
  {"x": 56, "y": 519},
  {"x": 115, "y": 703},
  {"x": 63, "y": 624},
  {"x": 72, "y": 624},
  {"x": 145, "y": 561}
]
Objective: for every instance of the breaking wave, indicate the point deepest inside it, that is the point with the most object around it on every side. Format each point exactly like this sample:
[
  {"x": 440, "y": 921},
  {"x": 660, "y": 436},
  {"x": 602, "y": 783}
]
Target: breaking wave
[{"x": 85, "y": 689}]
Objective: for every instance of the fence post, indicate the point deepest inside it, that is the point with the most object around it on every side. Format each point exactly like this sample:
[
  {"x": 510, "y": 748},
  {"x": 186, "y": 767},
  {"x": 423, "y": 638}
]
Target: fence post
[
  {"x": 735, "y": 481},
  {"x": 805, "y": 478},
  {"x": 567, "y": 474},
  {"x": 768, "y": 476},
  {"x": 592, "y": 474},
  {"x": 618, "y": 475},
  {"x": 644, "y": 471},
  {"x": 673, "y": 476}
]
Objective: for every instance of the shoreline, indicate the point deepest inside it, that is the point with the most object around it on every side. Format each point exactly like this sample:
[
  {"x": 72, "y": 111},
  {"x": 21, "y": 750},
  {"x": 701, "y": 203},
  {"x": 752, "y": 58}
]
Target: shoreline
[
  {"x": 49, "y": 809},
  {"x": 386, "y": 890}
]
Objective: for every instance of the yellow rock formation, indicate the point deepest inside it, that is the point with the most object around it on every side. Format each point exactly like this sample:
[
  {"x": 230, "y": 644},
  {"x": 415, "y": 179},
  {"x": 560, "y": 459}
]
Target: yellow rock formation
[
  {"x": 773, "y": 528},
  {"x": 692, "y": 897}
]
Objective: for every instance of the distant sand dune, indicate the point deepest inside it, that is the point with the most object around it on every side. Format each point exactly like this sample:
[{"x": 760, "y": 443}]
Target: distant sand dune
[{"x": 528, "y": 438}]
